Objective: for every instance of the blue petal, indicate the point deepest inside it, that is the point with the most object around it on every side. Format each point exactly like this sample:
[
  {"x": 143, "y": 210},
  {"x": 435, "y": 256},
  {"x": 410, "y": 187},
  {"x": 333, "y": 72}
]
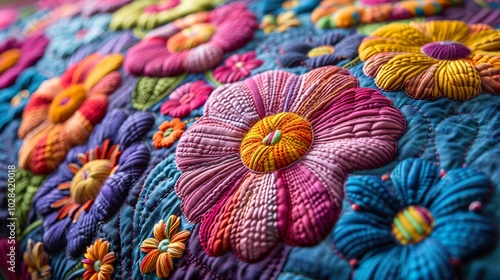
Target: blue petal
[
  {"x": 386, "y": 265},
  {"x": 322, "y": 60},
  {"x": 372, "y": 195},
  {"x": 413, "y": 179},
  {"x": 330, "y": 38},
  {"x": 464, "y": 234},
  {"x": 295, "y": 48},
  {"x": 291, "y": 59},
  {"x": 427, "y": 260},
  {"x": 357, "y": 234},
  {"x": 348, "y": 47},
  {"x": 457, "y": 190}
]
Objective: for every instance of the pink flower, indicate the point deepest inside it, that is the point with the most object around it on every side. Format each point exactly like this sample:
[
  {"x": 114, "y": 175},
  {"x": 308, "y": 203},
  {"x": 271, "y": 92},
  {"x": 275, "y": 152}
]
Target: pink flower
[
  {"x": 186, "y": 98},
  {"x": 268, "y": 159},
  {"x": 195, "y": 43},
  {"x": 237, "y": 67}
]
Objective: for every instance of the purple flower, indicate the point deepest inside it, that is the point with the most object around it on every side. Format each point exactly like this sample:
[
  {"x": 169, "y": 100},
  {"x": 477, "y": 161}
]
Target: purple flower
[
  {"x": 93, "y": 182},
  {"x": 327, "y": 49}
]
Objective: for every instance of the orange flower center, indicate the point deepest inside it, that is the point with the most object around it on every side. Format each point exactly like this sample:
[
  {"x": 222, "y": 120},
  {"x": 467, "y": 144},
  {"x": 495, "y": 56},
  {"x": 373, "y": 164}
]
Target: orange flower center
[
  {"x": 321, "y": 50},
  {"x": 276, "y": 142},
  {"x": 66, "y": 103},
  {"x": 412, "y": 225},
  {"x": 191, "y": 37},
  {"x": 19, "y": 97},
  {"x": 88, "y": 181},
  {"x": 8, "y": 59}
]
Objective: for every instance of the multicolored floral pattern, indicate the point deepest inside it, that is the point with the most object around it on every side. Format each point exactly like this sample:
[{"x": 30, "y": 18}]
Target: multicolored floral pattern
[
  {"x": 14, "y": 99},
  {"x": 418, "y": 223},
  {"x": 346, "y": 13},
  {"x": 37, "y": 261},
  {"x": 327, "y": 49},
  {"x": 149, "y": 14},
  {"x": 63, "y": 111},
  {"x": 434, "y": 59},
  {"x": 17, "y": 55},
  {"x": 268, "y": 136},
  {"x": 192, "y": 44},
  {"x": 167, "y": 244},
  {"x": 186, "y": 98},
  {"x": 27, "y": 185},
  {"x": 168, "y": 133},
  {"x": 92, "y": 184},
  {"x": 237, "y": 67},
  {"x": 98, "y": 262}
]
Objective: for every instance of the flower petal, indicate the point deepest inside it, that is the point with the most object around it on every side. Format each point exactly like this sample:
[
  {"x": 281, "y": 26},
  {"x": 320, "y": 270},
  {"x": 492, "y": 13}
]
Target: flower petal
[
  {"x": 148, "y": 264},
  {"x": 457, "y": 80},
  {"x": 208, "y": 141},
  {"x": 413, "y": 181},
  {"x": 464, "y": 234},
  {"x": 401, "y": 68},
  {"x": 382, "y": 200},
  {"x": 359, "y": 233},
  {"x": 444, "y": 30},
  {"x": 487, "y": 40},
  {"x": 457, "y": 190},
  {"x": 312, "y": 207},
  {"x": 201, "y": 189},
  {"x": 254, "y": 226},
  {"x": 422, "y": 86},
  {"x": 383, "y": 264},
  {"x": 164, "y": 265},
  {"x": 488, "y": 67},
  {"x": 427, "y": 260}
]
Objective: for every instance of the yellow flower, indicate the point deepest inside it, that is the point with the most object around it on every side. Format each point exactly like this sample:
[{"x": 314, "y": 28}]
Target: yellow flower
[
  {"x": 37, "y": 261},
  {"x": 166, "y": 245},
  {"x": 281, "y": 23},
  {"x": 434, "y": 59},
  {"x": 99, "y": 261}
]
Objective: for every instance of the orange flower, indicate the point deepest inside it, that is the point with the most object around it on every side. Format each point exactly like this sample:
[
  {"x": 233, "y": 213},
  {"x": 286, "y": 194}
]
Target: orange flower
[
  {"x": 166, "y": 245},
  {"x": 37, "y": 261},
  {"x": 99, "y": 261},
  {"x": 168, "y": 133}
]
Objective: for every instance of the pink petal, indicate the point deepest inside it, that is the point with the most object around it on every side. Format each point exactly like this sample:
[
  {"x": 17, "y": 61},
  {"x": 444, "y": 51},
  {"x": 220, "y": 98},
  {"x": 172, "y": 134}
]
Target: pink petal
[
  {"x": 310, "y": 211},
  {"x": 201, "y": 189},
  {"x": 357, "y": 113}
]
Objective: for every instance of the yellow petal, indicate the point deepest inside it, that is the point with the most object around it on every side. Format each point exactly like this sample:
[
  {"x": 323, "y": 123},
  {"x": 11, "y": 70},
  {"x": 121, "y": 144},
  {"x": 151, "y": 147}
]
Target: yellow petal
[
  {"x": 107, "y": 65},
  {"x": 158, "y": 231},
  {"x": 149, "y": 262},
  {"x": 403, "y": 34},
  {"x": 149, "y": 244},
  {"x": 488, "y": 40},
  {"x": 164, "y": 266},
  {"x": 401, "y": 68},
  {"x": 446, "y": 30},
  {"x": 372, "y": 46},
  {"x": 457, "y": 80}
]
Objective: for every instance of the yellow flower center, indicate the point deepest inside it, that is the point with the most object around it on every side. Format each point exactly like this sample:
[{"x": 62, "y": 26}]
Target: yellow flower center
[
  {"x": 19, "y": 97},
  {"x": 66, "y": 103},
  {"x": 321, "y": 50},
  {"x": 412, "y": 225},
  {"x": 8, "y": 59},
  {"x": 191, "y": 37},
  {"x": 88, "y": 181},
  {"x": 276, "y": 142}
]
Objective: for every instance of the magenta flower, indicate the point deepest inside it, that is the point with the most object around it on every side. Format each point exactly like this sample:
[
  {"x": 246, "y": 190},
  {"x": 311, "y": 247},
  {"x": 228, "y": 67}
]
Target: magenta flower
[
  {"x": 16, "y": 55},
  {"x": 195, "y": 43},
  {"x": 237, "y": 67},
  {"x": 268, "y": 159},
  {"x": 185, "y": 99}
]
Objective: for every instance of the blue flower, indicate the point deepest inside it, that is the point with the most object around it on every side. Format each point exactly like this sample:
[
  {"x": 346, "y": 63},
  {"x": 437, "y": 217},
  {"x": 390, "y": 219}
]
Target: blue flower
[
  {"x": 14, "y": 98},
  {"x": 327, "y": 49},
  {"x": 69, "y": 34},
  {"x": 418, "y": 224}
]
